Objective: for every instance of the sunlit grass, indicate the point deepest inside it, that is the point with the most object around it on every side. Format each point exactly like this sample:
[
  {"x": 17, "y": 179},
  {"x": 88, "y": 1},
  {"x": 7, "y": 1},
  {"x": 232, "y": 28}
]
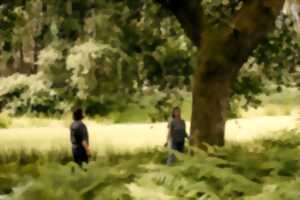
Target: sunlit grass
[
  {"x": 130, "y": 137},
  {"x": 282, "y": 103}
]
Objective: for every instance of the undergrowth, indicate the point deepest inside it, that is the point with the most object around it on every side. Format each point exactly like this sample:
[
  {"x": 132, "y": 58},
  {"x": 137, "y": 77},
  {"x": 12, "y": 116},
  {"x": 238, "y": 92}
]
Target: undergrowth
[
  {"x": 266, "y": 170},
  {"x": 5, "y": 120}
]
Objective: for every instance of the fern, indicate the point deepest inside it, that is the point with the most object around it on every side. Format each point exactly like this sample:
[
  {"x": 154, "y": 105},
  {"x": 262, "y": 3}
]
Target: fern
[{"x": 269, "y": 171}]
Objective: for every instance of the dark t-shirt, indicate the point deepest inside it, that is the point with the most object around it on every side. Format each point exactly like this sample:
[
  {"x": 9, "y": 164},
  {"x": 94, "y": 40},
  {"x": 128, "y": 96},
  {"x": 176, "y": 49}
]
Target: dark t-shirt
[
  {"x": 79, "y": 133},
  {"x": 177, "y": 128}
]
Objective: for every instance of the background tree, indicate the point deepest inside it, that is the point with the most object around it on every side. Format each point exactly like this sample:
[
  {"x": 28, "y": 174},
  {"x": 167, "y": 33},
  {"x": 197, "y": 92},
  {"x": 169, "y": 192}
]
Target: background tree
[{"x": 104, "y": 54}]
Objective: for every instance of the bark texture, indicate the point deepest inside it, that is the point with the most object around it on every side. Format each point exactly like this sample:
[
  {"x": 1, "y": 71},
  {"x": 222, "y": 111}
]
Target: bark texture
[{"x": 223, "y": 50}]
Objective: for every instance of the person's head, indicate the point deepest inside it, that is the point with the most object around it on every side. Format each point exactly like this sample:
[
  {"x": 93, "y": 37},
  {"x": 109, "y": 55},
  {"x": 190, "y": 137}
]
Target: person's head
[
  {"x": 78, "y": 114},
  {"x": 176, "y": 113}
]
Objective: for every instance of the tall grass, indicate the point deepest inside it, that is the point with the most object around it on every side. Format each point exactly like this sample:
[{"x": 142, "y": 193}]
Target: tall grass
[
  {"x": 26, "y": 156},
  {"x": 265, "y": 169}
]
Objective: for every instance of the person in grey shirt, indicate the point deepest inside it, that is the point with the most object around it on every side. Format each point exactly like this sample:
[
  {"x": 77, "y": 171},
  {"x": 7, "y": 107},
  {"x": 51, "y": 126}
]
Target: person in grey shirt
[
  {"x": 176, "y": 134},
  {"x": 79, "y": 138}
]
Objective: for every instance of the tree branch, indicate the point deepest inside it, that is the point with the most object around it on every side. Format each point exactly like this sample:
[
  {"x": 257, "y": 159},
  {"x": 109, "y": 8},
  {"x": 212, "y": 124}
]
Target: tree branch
[
  {"x": 254, "y": 21},
  {"x": 189, "y": 14}
]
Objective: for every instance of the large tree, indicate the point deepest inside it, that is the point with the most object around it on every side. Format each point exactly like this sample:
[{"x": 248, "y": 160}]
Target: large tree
[{"x": 223, "y": 49}]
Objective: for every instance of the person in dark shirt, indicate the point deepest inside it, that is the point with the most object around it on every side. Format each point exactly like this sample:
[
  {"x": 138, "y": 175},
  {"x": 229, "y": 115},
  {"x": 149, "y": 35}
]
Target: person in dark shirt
[
  {"x": 176, "y": 134},
  {"x": 79, "y": 138}
]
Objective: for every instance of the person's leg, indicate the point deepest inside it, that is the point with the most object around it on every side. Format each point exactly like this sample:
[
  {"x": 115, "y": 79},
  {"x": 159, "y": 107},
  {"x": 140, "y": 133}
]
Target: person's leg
[
  {"x": 171, "y": 157},
  {"x": 180, "y": 147},
  {"x": 84, "y": 157},
  {"x": 80, "y": 156},
  {"x": 76, "y": 156}
]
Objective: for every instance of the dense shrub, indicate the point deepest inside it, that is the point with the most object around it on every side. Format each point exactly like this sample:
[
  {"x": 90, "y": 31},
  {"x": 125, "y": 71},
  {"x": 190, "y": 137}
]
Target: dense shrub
[
  {"x": 20, "y": 94},
  {"x": 5, "y": 120}
]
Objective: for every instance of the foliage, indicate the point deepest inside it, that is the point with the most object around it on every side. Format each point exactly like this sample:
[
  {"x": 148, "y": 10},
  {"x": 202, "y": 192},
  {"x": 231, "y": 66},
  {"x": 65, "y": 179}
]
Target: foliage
[
  {"x": 108, "y": 53},
  {"x": 21, "y": 94},
  {"x": 221, "y": 11},
  {"x": 271, "y": 66},
  {"x": 5, "y": 120},
  {"x": 266, "y": 169},
  {"x": 117, "y": 56}
]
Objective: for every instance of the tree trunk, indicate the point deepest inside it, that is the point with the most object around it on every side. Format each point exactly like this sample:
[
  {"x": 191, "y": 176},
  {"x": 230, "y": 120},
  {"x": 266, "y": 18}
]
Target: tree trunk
[
  {"x": 210, "y": 105},
  {"x": 21, "y": 57},
  {"x": 35, "y": 56},
  {"x": 224, "y": 48},
  {"x": 223, "y": 51},
  {"x": 217, "y": 69}
]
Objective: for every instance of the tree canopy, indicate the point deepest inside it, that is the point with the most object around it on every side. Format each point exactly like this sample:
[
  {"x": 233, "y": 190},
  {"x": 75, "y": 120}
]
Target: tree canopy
[{"x": 99, "y": 53}]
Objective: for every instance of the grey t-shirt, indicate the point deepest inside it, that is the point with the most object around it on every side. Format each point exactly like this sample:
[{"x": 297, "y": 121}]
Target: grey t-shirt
[
  {"x": 79, "y": 133},
  {"x": 177, "y": 128}
]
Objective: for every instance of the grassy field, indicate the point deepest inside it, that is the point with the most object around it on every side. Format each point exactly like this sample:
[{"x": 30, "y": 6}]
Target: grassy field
[
  {"x": 286, "y": 102},
  {"x": 55, "y": 134},
  {"x": 279, "y": 111},
  {"x": 260, "y": 162}
]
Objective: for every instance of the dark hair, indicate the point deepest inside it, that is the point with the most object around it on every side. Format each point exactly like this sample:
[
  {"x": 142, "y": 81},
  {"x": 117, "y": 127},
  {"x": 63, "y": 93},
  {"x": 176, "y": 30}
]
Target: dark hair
[
  {"x": 173, "y": 111},
  {"x": 78, "y": 114}
]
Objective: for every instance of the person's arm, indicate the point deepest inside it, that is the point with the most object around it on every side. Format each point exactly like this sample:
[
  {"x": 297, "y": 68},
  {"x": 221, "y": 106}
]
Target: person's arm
[
  {"x": 168, "y": 135},
  {"x": 86, "y": 146},
  {"x": 85, "y": 141},
  {"x": 186, "y": 135}
]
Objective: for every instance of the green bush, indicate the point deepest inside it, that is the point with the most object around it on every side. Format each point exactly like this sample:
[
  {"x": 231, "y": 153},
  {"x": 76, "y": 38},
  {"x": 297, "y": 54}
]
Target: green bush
[
  {"x": 21, "y": 94},
  {"x": 5, "y": 120}
]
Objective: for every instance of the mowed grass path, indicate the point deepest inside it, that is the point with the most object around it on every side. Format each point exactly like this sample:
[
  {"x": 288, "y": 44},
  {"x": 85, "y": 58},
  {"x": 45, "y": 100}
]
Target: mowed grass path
[{"x": 133, "y": 136}]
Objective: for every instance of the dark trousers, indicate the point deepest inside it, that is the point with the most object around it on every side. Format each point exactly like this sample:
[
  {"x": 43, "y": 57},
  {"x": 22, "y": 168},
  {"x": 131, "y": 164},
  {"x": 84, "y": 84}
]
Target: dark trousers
[
  {"x": 177, "y": 146},
  {"x": 79, "y": 155}
]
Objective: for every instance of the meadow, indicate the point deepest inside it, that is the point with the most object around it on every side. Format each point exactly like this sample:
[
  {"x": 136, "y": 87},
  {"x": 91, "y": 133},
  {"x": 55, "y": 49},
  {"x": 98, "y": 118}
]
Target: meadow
[
  {"x": 55, "y": 134},
  {"x": 127, "y": 64},
  {"x": 260, "y": 160}
]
